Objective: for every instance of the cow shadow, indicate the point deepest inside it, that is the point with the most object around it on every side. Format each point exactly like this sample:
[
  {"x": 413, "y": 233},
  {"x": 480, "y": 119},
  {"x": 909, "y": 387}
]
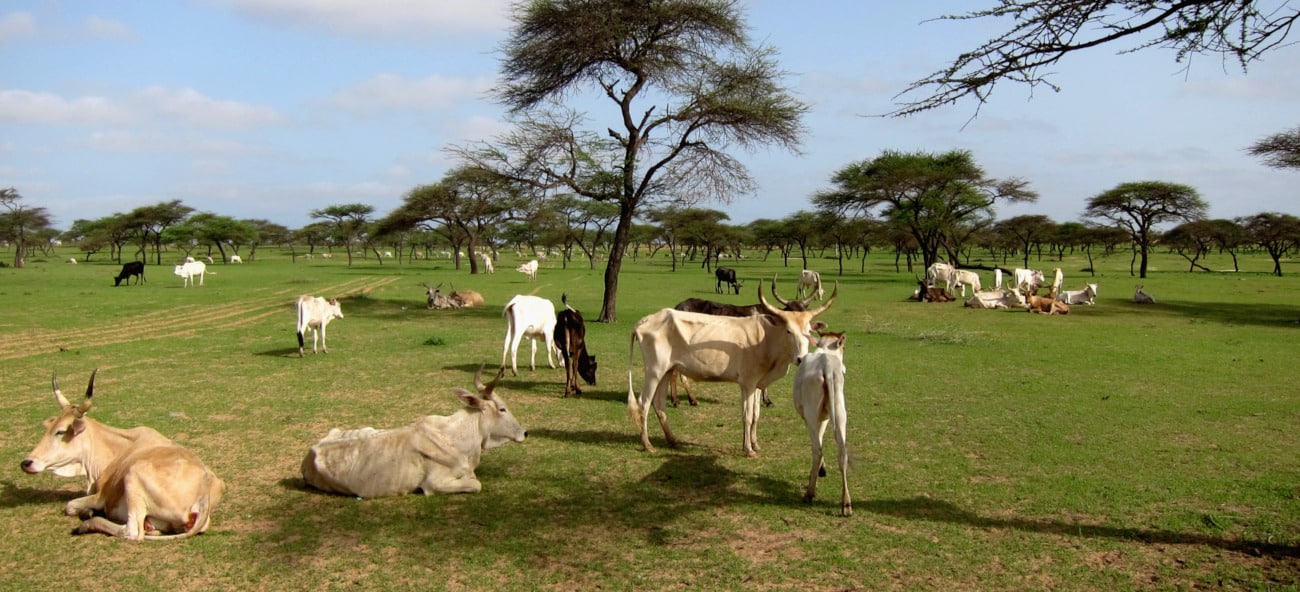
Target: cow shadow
[
  {"x": 13, "y": 496},
  {"x": 282, "y": 352}
]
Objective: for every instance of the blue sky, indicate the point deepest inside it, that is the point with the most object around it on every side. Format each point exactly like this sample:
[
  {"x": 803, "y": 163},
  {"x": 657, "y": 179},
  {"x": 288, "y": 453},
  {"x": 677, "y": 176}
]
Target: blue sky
[{"x": 272, "y": 108}]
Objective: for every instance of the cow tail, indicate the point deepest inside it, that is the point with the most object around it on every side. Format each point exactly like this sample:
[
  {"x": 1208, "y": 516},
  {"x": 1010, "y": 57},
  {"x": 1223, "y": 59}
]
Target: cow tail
[
  {"x": 301, "y": 328},
  {"x": 833, "y": 381},
  {"x": 199, "y": 515},
  {"x": 633, "y": 405}
]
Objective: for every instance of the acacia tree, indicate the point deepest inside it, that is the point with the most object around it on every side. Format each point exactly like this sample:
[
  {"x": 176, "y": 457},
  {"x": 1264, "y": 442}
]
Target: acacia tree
[
  {"x": 929, "y": 194},
  {"x": 152, "y": 221},
  {"x": 348, "y": 220},
  {"x": 1139, "y": 207},
  {"x": 1277, "y": 233},
  {"x": 1028, "y": 232},
  {"x": 684, "y": 84},
  {"x": 1045, "y": 31},
  {"x": 468, "y": 202},
  {"x": 20, "y": 223},
  {"x": 1281, "y": 151}
]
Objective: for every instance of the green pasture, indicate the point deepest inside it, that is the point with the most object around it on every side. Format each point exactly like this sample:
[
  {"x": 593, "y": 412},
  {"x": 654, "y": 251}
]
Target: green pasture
[{"x": 1121, "y": 447}]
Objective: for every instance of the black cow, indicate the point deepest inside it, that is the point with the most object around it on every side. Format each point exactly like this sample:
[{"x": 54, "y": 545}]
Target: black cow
[
  {"x": 726, "y": 275},
  {"x": 723, "y": 309},
  {"x": 135, "y": 268},
  {"x": 570, "y": 339}
]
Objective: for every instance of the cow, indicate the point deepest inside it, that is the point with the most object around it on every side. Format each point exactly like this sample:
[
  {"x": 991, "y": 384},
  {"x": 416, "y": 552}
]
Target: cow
[
  {"x": 1088, "y": 295},
  {"x": 487, "y": 262},
  {"x": 812, "y": 282},
  {"x": 134, "y": 268},
  {"x": 819, "y": 398},
  {"x": 142, "y": 485},
  {"x": 939, "y": 272},
  {"x": 465, "y": 298},
  {"x": 1044, "y": 304},
  {"x": 315, "y": 313},
  {"x": 1058, "y": 279},
  {"x": 929, "y": 293},
  {"x": 726, "y": 275},
  {"x": 960, "y": 278},
  {"x": 995, "y": 299},
  {"x": 435, "y": 454},
  {"x": 571, "y": 340},
  {"x": 1141, "y": 297},
  {"x": 752, "y": 352},
  {"x": 529, "y": 269},
  {"x": 434, "y": 298},
  {"x": 72, "y": 260},
  {"x": 532, "y": 317},
  {"x": 236, "y": 259},
  {"x": 1031, "y": 278},
  {"x": 189, "y": 270}
]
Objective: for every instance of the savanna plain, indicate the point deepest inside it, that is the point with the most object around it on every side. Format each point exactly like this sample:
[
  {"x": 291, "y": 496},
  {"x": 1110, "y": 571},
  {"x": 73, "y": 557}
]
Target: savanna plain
[{"x": 1121, "y": 447}]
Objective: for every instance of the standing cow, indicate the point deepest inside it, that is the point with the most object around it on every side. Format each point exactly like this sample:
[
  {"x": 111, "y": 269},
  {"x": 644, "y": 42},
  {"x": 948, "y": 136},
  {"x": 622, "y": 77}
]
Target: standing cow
[
  {"x": 189, "y": 269},
  {"x": 752, "y": 352},
  {"x": 532, "y": 317},
  {"x": 811, "y": 282},
  {"x": 436, "y": 454},
  {"x": 134, "y": 268},
  {"x": 529, "y": 269},
  {"x": 571, "y": 340},
  {"x": 819, "y": 398},
  {"x": 315, "y": 313},
  {"x": 726, "y": 275}
]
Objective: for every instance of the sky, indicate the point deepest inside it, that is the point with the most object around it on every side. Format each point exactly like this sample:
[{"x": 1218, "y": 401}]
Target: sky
[{"x": 268, "y": 109}]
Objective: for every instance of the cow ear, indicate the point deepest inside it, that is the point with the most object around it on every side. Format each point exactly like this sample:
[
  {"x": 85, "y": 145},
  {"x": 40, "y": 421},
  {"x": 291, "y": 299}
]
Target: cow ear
[
  {"x": 470, "y": 400},
  {"x": 78, "y": 426}
]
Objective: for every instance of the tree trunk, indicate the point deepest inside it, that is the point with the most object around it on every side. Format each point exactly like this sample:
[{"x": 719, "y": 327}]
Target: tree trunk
[{"x": 609, "y": 308}]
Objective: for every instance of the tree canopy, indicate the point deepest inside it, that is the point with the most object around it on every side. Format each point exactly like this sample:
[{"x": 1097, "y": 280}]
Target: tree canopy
[
  {"x": 1280, "y": 150},
  {"x": 1140, "y": 206}
]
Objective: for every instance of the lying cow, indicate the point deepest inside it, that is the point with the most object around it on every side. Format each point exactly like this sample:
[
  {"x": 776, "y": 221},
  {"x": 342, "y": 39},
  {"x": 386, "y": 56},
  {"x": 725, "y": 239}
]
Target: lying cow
[
  {"x": 436, "y": 454},
  {"x": 1141, "y": 297},
  {"x": 996, "y": 299},
  {"x": 928, "y": 293},
  {"x": 752, "y": 352},
  {"x": 532, "y": 317},
  {"x": 571, "y": 340},
  {"x": 315, "y": 314},
  {"x": 189, "y": 269},
  {"x": 142, "y": 485},
  {"x": 1043, "y": 304},
  {"x": 1088, "y": 295},
  {"x": 819, "y": 398},
  {"x": 134, "y": 268}
]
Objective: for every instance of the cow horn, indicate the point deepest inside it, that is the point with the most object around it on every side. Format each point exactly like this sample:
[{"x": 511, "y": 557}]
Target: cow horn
[
  {"x": 58, "y": 395},
  {"x": 90, "y": 392},
  {"x": 827, "y": 305},
  {"x": 774, "y": 294},
  {"x": 486, "y": 389}
]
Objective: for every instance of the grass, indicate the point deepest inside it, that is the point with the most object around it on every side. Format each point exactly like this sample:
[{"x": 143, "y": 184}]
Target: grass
[{"x": 1121, "y": 447}]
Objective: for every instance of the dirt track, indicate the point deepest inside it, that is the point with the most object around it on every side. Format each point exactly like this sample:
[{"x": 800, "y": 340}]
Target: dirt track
[{"x": 172, "y": 322}]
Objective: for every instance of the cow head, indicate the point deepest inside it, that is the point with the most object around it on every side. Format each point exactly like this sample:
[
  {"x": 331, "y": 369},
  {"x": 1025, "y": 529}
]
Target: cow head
[
  {"x": 336, "y": 310},
  {"x": 587, "y": 367},
  {"x": 496, "y": 423},
  {"x": 60, "y": 451},
  {"x": 796, "y": 323}
]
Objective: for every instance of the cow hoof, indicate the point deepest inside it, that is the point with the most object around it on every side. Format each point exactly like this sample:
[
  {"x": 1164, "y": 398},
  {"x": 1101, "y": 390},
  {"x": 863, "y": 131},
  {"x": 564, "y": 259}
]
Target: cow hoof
[
  {"x": 846, "y": 510},
  {"x": 752, "y": 454}
]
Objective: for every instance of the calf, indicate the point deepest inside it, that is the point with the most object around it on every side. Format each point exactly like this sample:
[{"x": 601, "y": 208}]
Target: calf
[
  {"x": 315, "y": 313},
  {"x": 726, "y": 275},
  {"x": 134, "y": 268},
  {"x": 435, "y": 454},
  {"x": 570, "y": 340},
  {"x": 141, "y": 485},
  {"x": 531, "y": 317},
  {"x": 819, "y": 398},
  {"x": 1088, "y": 295},
  {"x": 529, "y": 269},
  {"x": 928, "y": 293},
  {"x": 1045, "y": 305},
  {"x": 189, "y": 270},
  {"x": 1141, "y": 297}
]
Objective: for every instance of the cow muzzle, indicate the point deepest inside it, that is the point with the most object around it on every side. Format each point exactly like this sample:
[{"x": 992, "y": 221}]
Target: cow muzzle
[{"x": 31, "y": 466}]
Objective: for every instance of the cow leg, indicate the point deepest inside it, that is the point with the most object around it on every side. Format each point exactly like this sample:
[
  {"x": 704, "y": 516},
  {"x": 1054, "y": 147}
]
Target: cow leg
[
  {"x": 464, "y": 484},
  {"x": 84, "y": 507},
  {"x": 749, "y": 419},
  {"x": 816, "y": 432},
  {"x": 767, "y": 401},
  {"x": 658, "y": 402},
  {"x": 103, "y": 525},
  {"x": 509, "y": 345},
  {"x": 325, "y": 348},
  {"x": 846, "y": 503}
]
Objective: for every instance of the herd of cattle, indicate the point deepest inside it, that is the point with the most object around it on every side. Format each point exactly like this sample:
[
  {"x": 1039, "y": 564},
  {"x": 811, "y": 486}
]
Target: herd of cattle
[{"x": 141, "y": 485}]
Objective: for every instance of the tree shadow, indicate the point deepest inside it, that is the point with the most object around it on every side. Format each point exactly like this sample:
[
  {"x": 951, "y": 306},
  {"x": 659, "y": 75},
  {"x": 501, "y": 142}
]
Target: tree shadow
[{"x": 928, "y": 509}]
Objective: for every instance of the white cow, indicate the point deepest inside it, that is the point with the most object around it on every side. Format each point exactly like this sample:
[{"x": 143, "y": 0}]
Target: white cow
[
  {"x": 819, "y": 398},
  {"x": 236, "y": 259},
  {"x": 486, "y": 258},
  {"x": 996, "y": 299},
  {"x": 1058, "y": 279},
  {"x": 960, "y": 278},
  {"x": 532, "y": 317},
  {"x": 436, "y": 454},
  {"x": 812, "y": 282},
  {"x": 529, "y": 269},
  {"x": 315, "y": 313},
  {"x": 189, "y": 270},
  {"x": 1088, "y": 295},
  {"x": 939, "y": 272},
  {"x": 72, "y": 260},
  {"x": 1027, "y": 278},
  {"x": 752, "y": 352}
]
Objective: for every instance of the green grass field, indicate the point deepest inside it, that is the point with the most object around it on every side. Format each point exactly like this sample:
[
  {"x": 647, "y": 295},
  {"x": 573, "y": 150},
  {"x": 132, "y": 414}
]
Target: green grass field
[{"x": 1122, "y": 447}]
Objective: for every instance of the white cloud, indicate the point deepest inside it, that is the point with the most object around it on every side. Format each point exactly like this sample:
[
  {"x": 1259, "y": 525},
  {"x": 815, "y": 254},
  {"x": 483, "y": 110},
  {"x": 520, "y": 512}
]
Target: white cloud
[
  {"x": 17, "y": 25},
  {"x": 22, "y": 106},
  {"x": 417, "y": 19},
  {"x": 189, "y": 106},
  {"x": 386, "y": 92}
]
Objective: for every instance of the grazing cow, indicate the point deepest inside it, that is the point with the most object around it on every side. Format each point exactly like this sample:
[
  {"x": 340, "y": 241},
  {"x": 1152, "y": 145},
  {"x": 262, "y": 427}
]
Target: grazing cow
[
  {"x": 819, "y": 398},
  {"x": 812, "y": 282},
  {"x": 571, "y": 341},
  {"x": 752, "y": 352},
  {"x": 1058, "y": 279},
  {"x": 435, "y": 454},
  {"x": 960, "y": 278},
  {"x": 487, "y": 262},
  {"x": 236, "y": 259},
  {"x": 529, "y": 269},
  {"x": 1088, "y": 295},
  {"x": 1045, "y": 305},
  {"x": 726, "y": 275},
  {"x": 1031, "y": 278},
  {"x": 142, "y": 485},
  {"x": 1141, "y": 297},
  {"x": 135, "y": 268},
  {"x": 326, "y": 255},
  {"x": 315, "y": 313},
  {"x": 532, "y": 317},
  {"x": 996, "y": 299},
  {"x": 189, "y": 270}
]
